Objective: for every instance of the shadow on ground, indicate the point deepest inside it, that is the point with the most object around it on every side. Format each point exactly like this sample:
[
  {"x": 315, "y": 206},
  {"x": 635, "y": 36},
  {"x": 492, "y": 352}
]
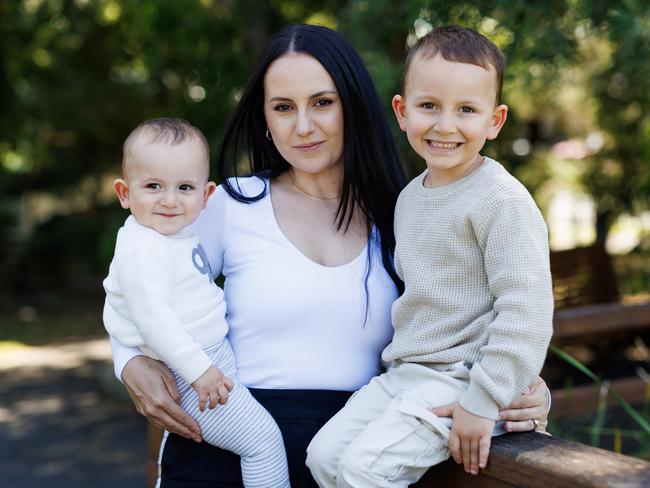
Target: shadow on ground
[{"x": 67, "y": 426}]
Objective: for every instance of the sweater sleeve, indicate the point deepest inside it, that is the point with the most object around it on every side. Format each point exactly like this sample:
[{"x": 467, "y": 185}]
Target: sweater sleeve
[
  {"x": 145, "y": 275},
  {"x": 517, "y": 266}
]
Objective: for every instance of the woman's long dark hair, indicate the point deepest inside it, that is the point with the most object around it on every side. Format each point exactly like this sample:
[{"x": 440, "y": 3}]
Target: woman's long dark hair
[{"x": 372, "y": 173}]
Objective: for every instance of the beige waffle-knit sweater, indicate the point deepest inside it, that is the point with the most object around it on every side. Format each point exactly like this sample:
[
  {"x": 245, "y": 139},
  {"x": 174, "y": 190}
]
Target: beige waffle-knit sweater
[{"x": 473, "y": 256}]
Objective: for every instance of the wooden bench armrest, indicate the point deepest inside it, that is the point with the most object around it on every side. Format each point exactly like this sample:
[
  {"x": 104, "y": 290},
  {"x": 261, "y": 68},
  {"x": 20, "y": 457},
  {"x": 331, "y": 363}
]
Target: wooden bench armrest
[
  {"x": 537, "y": 460},
  {"x": 590, "y": 320}
]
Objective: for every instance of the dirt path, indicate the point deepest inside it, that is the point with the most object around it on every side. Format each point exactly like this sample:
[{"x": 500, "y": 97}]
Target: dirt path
[{"x": 64, "y": 422}]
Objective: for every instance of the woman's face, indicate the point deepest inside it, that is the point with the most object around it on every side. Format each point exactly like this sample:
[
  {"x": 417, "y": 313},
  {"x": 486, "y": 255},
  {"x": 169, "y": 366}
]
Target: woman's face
[{"x": 304, "y": 113}]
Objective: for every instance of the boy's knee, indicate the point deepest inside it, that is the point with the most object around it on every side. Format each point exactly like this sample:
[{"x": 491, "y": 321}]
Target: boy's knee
[
  {"x": 352, "y": 471},
  {"x": 321, "y": 458},
  {"x": 318, "y": 454}
]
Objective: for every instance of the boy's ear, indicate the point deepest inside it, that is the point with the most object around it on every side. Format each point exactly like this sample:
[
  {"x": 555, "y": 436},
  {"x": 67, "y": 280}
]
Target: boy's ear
[
  {"x": 121, "y": 189},
  {"x": 399, "y": 107},
  {"x": 210, "y": 187},
  {"x": 499, "y": 117}
]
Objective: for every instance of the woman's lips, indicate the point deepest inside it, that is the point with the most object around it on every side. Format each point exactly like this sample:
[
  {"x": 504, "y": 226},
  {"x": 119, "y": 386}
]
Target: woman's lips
[{"x": 310, "y": 147}]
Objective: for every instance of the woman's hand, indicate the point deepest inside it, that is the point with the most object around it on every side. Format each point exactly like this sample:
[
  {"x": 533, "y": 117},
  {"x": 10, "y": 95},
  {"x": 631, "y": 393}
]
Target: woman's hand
[
  {"x": 532, "y": 404},
  {"x": 153, "y": 390},
  {"x": 519, "y": 415}
]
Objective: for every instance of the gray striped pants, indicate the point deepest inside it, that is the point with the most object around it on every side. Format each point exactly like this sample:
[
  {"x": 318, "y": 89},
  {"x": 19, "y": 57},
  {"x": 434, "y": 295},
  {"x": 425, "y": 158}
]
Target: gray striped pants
[{"x": 242, "y": 426}]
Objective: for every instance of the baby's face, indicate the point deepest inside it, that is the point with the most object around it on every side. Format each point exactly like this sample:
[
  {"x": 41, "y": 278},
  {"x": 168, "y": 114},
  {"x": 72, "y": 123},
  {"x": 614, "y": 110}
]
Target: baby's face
[{"x": 166, "y": 186}]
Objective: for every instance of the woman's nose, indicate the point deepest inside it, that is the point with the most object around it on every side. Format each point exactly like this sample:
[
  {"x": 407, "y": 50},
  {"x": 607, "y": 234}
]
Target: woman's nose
[{"x": 305, "y": 123}]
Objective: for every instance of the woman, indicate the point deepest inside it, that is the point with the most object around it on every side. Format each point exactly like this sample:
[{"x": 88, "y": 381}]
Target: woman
[{"x": 306, "y": 251}]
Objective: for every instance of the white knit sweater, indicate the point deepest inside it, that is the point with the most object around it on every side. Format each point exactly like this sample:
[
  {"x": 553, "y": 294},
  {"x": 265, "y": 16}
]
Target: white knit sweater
[
  {"x": 474, "y": 259},
  {"x": 161, "y": 297}
]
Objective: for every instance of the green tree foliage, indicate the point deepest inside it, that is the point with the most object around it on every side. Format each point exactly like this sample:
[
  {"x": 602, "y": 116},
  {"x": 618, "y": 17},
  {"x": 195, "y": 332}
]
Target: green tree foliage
[
  {"x": 619, "y": 176},
  {"x": 77, "y": 75}
]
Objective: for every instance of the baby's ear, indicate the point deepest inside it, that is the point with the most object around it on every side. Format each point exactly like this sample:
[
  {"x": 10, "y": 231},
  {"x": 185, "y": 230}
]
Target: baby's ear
[
  {"x": 121, "y": 189},
  {"x": 210, "y": 187},
  {"x": 399, "y": 107}
]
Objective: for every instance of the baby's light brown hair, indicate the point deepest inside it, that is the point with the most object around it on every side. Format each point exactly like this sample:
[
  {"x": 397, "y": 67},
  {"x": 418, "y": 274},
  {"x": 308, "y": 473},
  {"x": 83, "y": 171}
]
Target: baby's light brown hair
[
  {"x": 163, "y": 130},
  {"x": 460, "y": 45}
]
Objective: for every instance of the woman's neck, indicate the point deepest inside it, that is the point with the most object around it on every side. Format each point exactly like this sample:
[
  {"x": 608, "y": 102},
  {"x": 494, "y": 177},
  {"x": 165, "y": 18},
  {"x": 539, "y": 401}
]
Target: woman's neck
[{"x": 324, "y": 186}]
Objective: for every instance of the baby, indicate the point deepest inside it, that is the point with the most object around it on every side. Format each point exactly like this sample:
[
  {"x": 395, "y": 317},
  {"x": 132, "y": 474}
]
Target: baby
[{"x": 161, "y": 295}]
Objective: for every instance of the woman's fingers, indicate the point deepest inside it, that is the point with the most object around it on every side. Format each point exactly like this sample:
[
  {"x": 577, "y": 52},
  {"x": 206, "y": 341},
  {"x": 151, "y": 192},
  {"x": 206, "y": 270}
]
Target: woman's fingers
[
  {"x": 517, "y": 415},
  {"x": 147, "y": 383},
  {"x": 531, "y": 405},
  {"x": 525, "y": 426}
]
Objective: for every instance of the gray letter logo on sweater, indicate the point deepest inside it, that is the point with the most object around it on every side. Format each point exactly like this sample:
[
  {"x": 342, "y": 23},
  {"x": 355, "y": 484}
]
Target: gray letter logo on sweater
[{"x": 200, "y": 261}]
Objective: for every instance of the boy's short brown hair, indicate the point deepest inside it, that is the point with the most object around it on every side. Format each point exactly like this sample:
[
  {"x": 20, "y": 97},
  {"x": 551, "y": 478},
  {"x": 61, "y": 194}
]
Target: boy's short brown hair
[
  {"x": 164, "y": 130},
  {"x": 460, "y": 45}
]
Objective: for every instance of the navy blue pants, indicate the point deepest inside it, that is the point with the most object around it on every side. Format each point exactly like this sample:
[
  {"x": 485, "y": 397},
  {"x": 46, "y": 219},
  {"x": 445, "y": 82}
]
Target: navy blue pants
[{"x": 298, "y": 413}]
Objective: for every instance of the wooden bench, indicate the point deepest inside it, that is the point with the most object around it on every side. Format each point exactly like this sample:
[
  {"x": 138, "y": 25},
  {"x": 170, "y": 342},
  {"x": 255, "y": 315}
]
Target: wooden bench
[
  {"x": 589, "y": 312},
  {"x": 587, "y": 301}
]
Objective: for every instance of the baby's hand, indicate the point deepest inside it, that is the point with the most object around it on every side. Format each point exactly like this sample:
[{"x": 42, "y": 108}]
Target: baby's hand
[
  {"x": 213, "y": 386},
  {"x": 470, "y": 438}
]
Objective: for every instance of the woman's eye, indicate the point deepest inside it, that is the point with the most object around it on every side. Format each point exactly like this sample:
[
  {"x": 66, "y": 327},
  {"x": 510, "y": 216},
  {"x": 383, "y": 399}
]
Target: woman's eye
[
  {"x": 186, "y": 187},
  {"x": 323, "y": 102},
  {"x": 283, "y": 107},
  {"x": 153, "y": 186}
]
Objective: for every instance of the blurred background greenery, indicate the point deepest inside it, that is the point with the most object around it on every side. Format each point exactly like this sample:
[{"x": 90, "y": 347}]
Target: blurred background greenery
[{"x": 77, "y": 75}]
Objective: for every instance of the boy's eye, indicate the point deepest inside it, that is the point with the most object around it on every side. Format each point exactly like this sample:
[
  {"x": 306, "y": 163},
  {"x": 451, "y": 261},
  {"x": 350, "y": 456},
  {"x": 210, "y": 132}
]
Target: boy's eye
[
  {"x": 428, "y": 105},
  {"x": 153, "y": 186},
  {"x": 186, "y": 187},
  {"x": 467, "y": 110}
]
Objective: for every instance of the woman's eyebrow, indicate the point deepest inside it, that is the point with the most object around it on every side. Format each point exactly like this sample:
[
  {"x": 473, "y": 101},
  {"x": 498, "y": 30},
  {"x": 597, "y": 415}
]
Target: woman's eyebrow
[{"x": 315, "y": 95}]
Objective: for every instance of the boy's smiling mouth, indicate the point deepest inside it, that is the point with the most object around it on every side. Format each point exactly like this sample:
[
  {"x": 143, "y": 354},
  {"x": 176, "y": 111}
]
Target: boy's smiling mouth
[{"x": 442, "y": 145}]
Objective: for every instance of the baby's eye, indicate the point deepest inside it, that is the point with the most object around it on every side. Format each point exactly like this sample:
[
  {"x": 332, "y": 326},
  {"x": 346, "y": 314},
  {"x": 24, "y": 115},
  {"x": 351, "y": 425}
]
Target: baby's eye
[
  {"x": 186, "y": 187},
  {"x": 153, "y": 186},
  {"x": 282, "y": 107},
  {"x": 323, "y": 102},
  {"x": 428, "y": 105},
  {"x": 467, "y": 110}
]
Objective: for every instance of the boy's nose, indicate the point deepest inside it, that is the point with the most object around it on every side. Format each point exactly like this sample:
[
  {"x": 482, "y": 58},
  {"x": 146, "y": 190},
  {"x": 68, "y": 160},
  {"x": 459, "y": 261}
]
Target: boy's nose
[{"x": 445, "y": 124}]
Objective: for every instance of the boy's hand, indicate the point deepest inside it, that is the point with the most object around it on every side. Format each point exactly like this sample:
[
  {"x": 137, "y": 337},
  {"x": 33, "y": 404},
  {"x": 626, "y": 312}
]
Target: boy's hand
[
  {"x": 213, "y": 386},
  {"x": 470, "y": 438}
]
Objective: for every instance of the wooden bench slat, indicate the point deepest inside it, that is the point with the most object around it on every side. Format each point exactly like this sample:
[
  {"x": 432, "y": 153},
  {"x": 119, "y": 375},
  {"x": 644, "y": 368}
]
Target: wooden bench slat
[
  {"x": 592, "y": 320},
  {"x": 540, "y": 461}
]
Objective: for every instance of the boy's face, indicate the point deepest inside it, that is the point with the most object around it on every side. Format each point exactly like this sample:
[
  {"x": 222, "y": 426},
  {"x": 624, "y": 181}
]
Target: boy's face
[
  {"x": 448, "y": 111},
  {"x": 165, "y": 186}
]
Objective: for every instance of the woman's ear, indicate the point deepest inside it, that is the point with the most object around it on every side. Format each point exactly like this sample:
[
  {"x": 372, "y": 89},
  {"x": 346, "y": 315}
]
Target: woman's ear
[
  {"x": 122, "y": 191},
  {"x": 210, "y": 187},
  {"x": 399, "y": 107}
]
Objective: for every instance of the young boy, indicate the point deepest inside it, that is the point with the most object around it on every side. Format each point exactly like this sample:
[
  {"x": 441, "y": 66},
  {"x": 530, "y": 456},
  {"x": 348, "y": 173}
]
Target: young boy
[
  {"x": 475, "y": 320},
  {"x": 161, "y": 297}
]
